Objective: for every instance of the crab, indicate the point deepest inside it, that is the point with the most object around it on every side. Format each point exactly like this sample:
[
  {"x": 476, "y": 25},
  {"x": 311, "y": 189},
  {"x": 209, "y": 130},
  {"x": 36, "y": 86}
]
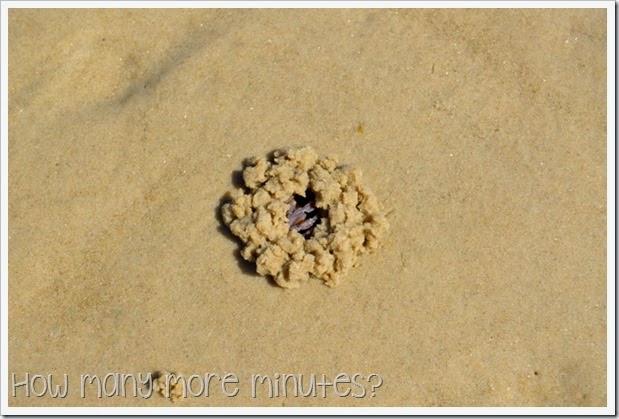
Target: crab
[{"x": 302, "y": 215}]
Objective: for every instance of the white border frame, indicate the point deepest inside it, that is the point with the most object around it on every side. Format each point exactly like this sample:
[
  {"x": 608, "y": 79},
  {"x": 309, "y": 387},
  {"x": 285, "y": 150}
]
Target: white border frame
[
  {"x": 302, "y": 4},
  {"x": 611, "y": 168}
]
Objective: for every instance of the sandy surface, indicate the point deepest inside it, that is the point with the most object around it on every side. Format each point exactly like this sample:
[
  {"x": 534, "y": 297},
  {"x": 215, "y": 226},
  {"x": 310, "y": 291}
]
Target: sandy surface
[{"x": 482, "y": 131}]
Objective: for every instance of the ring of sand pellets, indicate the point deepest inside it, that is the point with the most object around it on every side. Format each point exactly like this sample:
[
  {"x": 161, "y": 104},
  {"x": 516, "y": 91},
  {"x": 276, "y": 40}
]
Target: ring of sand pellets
[{"x": 302, "y": 216}]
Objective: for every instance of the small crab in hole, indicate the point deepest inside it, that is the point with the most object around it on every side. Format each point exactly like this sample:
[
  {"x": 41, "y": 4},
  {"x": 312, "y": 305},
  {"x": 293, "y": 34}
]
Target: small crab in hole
[{"x": 303, "y": 215}]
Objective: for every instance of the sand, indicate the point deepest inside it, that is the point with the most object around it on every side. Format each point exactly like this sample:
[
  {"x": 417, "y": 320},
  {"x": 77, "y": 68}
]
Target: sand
[{"x": 483, "y": 132}]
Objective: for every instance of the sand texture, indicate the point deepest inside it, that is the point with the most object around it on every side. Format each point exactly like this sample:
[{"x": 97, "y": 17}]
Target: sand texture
[{"x": 482, "y": 132}]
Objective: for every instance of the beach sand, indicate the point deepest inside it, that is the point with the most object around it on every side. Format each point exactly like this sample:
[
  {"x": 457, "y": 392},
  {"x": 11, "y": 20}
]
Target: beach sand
[{"x": 483, "y": 133}]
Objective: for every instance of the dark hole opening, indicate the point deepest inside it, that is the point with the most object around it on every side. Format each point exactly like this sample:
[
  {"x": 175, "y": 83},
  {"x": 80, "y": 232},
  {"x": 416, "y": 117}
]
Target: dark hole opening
[{"x": 303, "y": 215}]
